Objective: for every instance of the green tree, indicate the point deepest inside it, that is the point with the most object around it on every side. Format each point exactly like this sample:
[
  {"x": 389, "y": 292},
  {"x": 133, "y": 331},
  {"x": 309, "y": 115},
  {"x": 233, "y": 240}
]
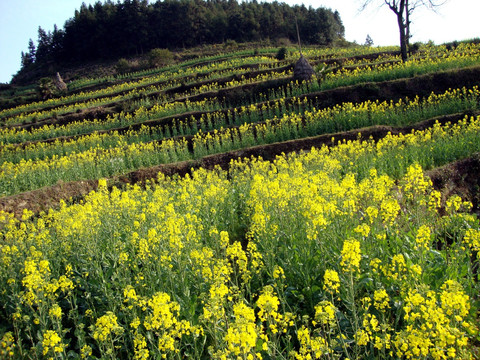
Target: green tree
[
  {"x": 31, "y": 50},
  {"x": 112, "y": 29},
  {"x": 281, "y": 53},
  {"x": 44, "y": 45},
  {"x": 46, "y": 88},
  {"x": 29, "y": 57},
  {"x": 122, "y": 66}
]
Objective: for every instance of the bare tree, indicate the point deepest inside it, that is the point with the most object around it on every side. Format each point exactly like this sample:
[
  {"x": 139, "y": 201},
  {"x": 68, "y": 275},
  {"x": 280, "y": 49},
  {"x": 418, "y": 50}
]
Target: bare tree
[{"x": 403, "y": 9}]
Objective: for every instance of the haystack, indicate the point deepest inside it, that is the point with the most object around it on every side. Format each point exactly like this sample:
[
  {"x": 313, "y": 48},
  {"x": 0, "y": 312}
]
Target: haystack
[
  {"x": 59, "y": 83},
  {"x": 303, "y": 71}
]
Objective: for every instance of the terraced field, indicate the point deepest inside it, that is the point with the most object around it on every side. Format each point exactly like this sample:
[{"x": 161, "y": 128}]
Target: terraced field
[{"x": 219, "y": 209}]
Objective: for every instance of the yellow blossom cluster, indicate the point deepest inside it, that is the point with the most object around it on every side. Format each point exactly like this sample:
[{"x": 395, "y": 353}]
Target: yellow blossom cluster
[
  {"x": 184, "y": 278},
  {"x": 336, "y": 252},
  {"x": 351, "y": 256},
  {"x": 106, "y": 327},
  {"x": 435, "y": 324},
  {"x": 52, "y": 343},
  {"x": 7, "y": 346}
]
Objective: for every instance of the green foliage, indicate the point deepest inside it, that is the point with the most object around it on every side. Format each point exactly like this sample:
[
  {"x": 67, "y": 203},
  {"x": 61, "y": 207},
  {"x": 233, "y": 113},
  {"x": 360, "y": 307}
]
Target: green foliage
[
  {"x": 341, "y": 249},
  {"x": 127, "y": 28},
  {"x": 122, "y": 66},
  {"x": 230, "y": 44},
  {"x": 284, "y": 42},
  {"x": 282, "y": 53},
  {"x": 46, "y": 88},
  {"x": 341, "y": 255},
  {"x": 160, "y": 57},
  {"x": 415, "y": 47}
]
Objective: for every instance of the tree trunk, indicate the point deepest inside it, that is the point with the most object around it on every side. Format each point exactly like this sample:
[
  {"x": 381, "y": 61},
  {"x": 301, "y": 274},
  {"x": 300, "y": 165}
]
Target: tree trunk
[
  {"x": 407, "y": 23},
  {"x": 402, "y": 27},
  {"x": 403, "y": 39}
]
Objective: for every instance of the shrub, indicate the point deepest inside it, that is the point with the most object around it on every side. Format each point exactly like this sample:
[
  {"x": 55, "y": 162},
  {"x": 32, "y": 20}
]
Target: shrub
[
  {"x": 46, "y": 88},
  {"x": 230, "y": 44},
  {"x": 281, "y": 53},
  {"x": 160, "y": 57},
  {"x": 283, "y": 42},
  {"x": 122, "y": 66},
  {"x": 415, "y": 47}
]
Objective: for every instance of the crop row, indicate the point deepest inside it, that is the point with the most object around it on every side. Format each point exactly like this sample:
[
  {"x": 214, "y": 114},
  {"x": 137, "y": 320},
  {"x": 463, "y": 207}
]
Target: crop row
[
  {"x": 39, "y": 164},
  {"x": 342, "y": 117},
  {"x": 351, "y": 77},
  {"x": 117, "y": 120},
  {"x": 166, "y": 80},
  {"x": 201, "y": 64},
  {"x": 244, "y": 56},
  {"x": 317, "y": 254},
  {"x": 439, "y": 60},
  {"x": 140, "y": 92}
]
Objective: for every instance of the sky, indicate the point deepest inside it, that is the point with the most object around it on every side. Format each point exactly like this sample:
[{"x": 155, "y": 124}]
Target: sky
[{"x": 455, "y": 20}]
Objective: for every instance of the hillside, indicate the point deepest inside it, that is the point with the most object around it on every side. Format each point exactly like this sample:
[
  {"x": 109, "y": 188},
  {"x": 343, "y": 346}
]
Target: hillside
[
  {"x": 128, "y": 28},
  {"x": 217, "y": 208}
]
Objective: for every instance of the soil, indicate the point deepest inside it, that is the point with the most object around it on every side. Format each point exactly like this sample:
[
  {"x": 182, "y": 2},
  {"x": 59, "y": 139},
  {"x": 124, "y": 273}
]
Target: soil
[
  {"x": 422, "y": 86},
  {"x": 48, "y": 197},
  {"x": 98, "y": 112},
  {"x": 461, "y": 177}
]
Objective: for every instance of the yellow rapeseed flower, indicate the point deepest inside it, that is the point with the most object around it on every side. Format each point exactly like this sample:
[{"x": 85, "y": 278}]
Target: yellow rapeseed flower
[
  {"x": 331, "y": 281},
  {"x": 52, "y": 343},
  {"x": 351, "y": 255},
  {"x": 105, "y": 326}
]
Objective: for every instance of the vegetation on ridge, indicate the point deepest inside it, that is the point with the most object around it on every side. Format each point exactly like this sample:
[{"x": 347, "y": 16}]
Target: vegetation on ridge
[
  {"x": 299, "y": 225},
  {"x": 132, "y": 27}
]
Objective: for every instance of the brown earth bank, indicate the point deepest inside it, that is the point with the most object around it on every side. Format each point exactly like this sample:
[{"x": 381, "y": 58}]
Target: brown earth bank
[
  {"x": 48, "y": 197},
  {"x": 317, "y": 60},
  {"x": 88, "y": 70},
  {"x": 183, "y": 87},
  {"x": 422, "y": 86},
  {"x": 461, "y": 177},
  {"x": 228, "y": 94},
  {"x": 122, "y": 81},
  {"x": 97, "y": 112}
]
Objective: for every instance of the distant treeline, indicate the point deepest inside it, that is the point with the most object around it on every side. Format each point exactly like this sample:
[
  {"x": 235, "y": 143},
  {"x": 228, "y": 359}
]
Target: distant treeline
[{"x": 112, "y": 30}]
